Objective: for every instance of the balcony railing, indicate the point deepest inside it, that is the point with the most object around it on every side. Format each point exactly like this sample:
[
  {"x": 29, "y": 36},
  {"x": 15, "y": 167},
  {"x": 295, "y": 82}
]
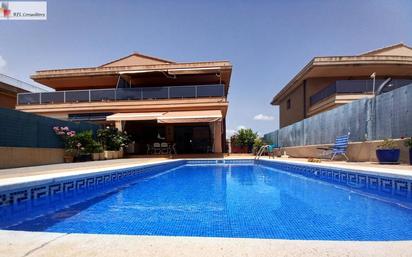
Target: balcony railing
[
  {"x": 354, "y": 87},
  {"x": 122, "y": 94}
]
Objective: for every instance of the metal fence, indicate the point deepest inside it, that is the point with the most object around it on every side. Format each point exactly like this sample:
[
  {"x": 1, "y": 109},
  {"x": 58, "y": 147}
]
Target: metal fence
[
  {"x": 20, "y": 129},
  {"x": 388, "y": 115}
]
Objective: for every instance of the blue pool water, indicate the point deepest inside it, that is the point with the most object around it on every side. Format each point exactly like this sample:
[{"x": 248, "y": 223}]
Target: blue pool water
[{"x": 248, "y": 201}]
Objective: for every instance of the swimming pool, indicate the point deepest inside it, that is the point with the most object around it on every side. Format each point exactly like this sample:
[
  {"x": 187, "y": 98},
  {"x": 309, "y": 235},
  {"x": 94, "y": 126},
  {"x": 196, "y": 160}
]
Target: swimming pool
[{"x": 243, "y": 199}]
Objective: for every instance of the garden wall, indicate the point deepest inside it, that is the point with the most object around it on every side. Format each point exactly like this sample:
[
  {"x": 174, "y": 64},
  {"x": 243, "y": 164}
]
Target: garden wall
[
  {"x": 28, "y": 139},
  {"x": 388, "y": 115}
]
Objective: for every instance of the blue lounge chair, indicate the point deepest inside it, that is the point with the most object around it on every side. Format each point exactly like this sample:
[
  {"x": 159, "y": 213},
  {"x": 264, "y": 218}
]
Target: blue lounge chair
[{"x": 340, "y": 147}]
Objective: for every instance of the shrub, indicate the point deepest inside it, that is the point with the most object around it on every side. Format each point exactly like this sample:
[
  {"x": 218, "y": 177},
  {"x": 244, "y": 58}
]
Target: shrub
[
  {"x": 408, "y": 142},
  {"x": 112, "y": 139},
  {"x": 388, "y": 144},
  {"x": 258, "y": 144},
  {"x": 245, "y": 137}
]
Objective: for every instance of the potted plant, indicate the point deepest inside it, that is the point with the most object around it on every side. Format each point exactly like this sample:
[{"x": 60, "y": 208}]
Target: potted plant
[
  {"x": 408, "y": 144},
  {"x": 97, "y": 151},
  {"x": 113, "y": 141},
  {"x": 388, "y": 152},
  {"x": 85, "y": 144},
  {"x": 68, "y": 137}
]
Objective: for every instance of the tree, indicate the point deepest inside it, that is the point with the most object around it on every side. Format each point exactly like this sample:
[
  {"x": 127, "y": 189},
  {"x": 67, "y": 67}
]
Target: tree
[{"x": 245, "y": 137}]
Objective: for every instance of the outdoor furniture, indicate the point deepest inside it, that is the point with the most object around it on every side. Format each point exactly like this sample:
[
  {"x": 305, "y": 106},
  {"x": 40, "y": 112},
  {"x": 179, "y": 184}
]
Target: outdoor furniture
[
  {"x": 164, "y": 148},
  {"x": 339, "y": 148},
  {"x": 149, "y": 149},
  {"x": 172, "y": 149},
  {"x": 157, "y": 148}
]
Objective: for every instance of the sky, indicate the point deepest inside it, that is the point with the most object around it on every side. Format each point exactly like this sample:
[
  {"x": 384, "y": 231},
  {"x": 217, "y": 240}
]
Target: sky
[{"x": 267, "y": 42}]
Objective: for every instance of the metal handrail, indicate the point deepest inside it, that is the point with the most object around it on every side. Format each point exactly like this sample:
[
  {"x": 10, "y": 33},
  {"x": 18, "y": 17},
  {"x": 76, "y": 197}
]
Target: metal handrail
[
  {"x": 116, "y": 95},
  {"x": 261, "y": 151}
]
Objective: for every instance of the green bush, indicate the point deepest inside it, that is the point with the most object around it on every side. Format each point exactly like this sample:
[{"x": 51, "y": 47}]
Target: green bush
[
  {"x": 112, "y": 139},
  {"x": 245, "y": 137},
  {"x": 388, "y": 144},
  {"x": 259, "y": 142},
  {"x": 408, "y": 142}
]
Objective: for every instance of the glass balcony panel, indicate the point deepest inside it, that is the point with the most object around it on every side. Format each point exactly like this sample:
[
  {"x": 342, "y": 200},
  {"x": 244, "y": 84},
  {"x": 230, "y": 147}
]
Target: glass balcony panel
[
  {"x": 102, "y": 95},
  {"x": 33, "y": 98},
  {"x": 183, "y": 92},
  {"x": 77, "y": 96},
  {"x": 210, "y": 91},
  {"x": 52, "y": 97},
  {"x": 129, "y": 94},
  {"x": 155, "y": 92}
]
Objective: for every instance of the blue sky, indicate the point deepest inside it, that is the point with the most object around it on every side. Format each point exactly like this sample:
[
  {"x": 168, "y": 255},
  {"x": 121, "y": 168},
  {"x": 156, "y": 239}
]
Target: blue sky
[{"x": 268, "y": 42}]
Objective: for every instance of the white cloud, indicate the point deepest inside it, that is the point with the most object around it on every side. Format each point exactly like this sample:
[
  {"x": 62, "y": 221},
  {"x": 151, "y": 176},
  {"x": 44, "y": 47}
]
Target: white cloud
[
  {"x": 263, "y": 117},
  {"x": 3, "y": 64}
]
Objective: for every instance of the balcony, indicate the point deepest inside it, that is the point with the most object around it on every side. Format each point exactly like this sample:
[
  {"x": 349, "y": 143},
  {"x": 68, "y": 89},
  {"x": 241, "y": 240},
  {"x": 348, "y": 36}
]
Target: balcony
[
  {"x": 354, "y": 87},
  {"x": 122, "y": 94}
]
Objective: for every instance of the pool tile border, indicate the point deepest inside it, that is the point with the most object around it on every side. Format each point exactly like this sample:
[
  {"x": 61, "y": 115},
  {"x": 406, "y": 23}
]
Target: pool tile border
[
  {"x": 356, "y": 179},
  {"x": 40, "y": 189}
]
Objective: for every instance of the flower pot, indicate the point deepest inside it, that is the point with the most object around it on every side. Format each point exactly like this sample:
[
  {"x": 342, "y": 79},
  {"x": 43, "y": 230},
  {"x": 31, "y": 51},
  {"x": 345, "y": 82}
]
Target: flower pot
[
  {"x": 108, "y": 155},
  {"x": 95, "y": 156},
  {"x": 83, "y": 158},
  {"x": 388, "y": 155},
  {"x": 68, "y": 158},
  {"x": 410, "y": 156}
]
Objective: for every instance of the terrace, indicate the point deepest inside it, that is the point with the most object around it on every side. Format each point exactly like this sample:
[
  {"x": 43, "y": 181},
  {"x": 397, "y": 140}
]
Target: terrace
[{"x": 122, "y": 94}]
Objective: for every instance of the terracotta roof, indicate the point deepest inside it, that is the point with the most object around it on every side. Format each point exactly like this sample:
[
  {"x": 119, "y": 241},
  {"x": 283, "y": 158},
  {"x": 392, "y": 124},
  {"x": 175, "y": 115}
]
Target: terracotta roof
[
  {"x": 386, "y": 48},
  {"x": 367, "y": 58},
  {"x": 138, "y": 55}
]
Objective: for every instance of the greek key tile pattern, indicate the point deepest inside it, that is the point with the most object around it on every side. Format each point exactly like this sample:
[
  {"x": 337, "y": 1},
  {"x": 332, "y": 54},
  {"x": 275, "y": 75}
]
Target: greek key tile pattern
[
  {"x": 390, "y": 186},
  {"x": 90, "y": 182}
]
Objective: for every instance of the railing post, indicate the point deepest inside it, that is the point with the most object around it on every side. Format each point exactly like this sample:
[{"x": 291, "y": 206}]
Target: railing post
[
  {"x": 168, "y": 92},
  {"x": 64, "y": 96},
  {"x": 39, "y": 98},
  {"x": 90, "y": 95},
  {"x": 196, "y": 91}
]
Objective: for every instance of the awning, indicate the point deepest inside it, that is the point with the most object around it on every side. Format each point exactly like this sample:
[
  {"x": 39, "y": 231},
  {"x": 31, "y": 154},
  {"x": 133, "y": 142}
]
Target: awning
[
  {"x": 135, "y": 116},
  {"x": 170, "y": 117},
  {"x": 190, "y": 116}
]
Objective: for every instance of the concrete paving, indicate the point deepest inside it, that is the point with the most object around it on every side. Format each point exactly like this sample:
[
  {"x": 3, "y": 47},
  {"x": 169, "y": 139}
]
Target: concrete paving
[{"x": 40, "y": 244}]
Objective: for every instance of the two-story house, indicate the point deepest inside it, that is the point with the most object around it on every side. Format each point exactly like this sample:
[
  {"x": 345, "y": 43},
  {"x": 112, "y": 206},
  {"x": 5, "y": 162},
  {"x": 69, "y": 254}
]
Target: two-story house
[
  {"x": 154, "y": 100},
  {"x": 328, "y": 82}
]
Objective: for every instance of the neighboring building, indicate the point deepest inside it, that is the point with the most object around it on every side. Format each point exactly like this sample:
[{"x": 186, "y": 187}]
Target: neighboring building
[
  {"x": 154, "y": 100},
  {"x": 328, "y": 82},
  {"x": 10, "y": 87}
]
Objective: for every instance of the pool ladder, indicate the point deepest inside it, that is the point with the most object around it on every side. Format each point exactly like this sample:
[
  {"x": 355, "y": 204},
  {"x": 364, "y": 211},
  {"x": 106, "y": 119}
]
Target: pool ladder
[{"x": 261, "y": 151}]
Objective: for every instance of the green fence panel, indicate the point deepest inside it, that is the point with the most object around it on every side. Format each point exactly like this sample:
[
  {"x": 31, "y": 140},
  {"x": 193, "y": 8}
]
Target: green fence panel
[{"x": 20, "y": 129}]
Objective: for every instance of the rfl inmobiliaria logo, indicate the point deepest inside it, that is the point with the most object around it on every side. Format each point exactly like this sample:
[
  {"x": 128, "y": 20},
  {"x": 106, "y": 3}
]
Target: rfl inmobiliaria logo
[{"x": 23, "y": 10}]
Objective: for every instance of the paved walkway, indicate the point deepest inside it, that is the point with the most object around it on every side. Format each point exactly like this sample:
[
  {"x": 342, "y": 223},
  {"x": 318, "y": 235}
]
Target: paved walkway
[{"x": 40, "y": 244}]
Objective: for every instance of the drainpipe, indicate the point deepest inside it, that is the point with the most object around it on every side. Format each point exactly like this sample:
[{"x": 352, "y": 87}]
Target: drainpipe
[{"x": 304, "y": 99}]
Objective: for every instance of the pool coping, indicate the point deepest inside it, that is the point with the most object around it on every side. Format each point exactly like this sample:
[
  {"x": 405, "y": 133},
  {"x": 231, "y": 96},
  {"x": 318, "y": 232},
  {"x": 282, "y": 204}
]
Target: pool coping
[
  {"x": 21, "y": 243},
  {"x": 7, "y": 184}
]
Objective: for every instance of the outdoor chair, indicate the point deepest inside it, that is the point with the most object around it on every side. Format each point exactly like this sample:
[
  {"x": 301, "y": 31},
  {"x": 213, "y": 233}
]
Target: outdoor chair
[
  {"x": 156, "y": 148},
  {"x": 149, "y": 149},
  {"x": 339, "y": 148},
  {"x": 172, "y": 149},
  {"x": 164, "y": 148}
]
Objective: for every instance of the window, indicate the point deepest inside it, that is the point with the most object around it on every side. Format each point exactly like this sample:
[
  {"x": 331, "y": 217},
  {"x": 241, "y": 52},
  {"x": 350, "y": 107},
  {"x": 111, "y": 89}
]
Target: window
[{"x": 288, "y": 104}]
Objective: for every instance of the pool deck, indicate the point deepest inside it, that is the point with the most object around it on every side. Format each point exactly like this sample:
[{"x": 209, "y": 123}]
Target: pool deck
[{"x": 20, "y": 243}]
